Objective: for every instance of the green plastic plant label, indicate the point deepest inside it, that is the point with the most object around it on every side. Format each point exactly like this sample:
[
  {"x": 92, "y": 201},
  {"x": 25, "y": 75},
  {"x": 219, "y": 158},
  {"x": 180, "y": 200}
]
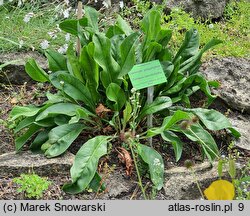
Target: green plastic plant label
[{"x": 147, "y": 74}]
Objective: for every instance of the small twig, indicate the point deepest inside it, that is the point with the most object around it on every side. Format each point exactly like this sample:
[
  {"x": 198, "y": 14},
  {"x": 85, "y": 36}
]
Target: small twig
[
  {"x": 197, "y": 183},
  {"x": 135, "y": 192}
]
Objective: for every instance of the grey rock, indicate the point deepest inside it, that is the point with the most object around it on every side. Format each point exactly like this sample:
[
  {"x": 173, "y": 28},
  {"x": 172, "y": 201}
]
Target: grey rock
[
  {"x": 14, "y": 73},
  {"x": 13, "y": 164},
  {"x": 117, "y": 186},
  {"x": 234, "y": 76},
  {"x": 98, "y": 4},
  {"x": 205, "y": 9},
  {"x": 180, "y": 183},
  {"x": 242, "y": 124}
]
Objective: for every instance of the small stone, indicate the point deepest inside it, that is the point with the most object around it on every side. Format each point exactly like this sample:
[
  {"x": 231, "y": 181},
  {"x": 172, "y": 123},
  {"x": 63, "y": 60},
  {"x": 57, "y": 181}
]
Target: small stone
[{"x": 14, "y": 164}]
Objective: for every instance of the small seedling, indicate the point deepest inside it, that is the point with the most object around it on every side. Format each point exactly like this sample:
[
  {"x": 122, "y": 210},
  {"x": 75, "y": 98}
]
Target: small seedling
[{"x": 32, "y": 185}]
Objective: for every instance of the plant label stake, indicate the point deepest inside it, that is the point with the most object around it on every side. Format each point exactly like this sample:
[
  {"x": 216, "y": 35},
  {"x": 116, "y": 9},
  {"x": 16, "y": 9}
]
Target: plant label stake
[
  {"x": 147, "y": 75},
  {"x": 150, "y": 97},
  {"x": 79, "y": 16}
]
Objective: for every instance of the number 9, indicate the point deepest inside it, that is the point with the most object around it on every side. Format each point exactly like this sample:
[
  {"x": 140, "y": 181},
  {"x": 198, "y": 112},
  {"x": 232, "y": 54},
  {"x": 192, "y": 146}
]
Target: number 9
[{"x": 241, "y": 206}]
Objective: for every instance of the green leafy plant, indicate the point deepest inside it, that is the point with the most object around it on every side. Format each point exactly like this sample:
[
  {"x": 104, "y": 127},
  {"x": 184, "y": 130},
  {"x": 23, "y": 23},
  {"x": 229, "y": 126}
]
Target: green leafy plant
[
  {"x": 240, "y": 177},
  {"x": 233, "y": 29},
  {"x": 242, "y": 183},
  {"x": 94, "y": 92},
  {"x": 32, "y": 185},
  {"x": 37, "y": 18}
]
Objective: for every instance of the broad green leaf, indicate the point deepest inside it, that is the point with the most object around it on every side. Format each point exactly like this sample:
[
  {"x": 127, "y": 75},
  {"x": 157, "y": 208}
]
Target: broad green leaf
[
  {"x": 214, "y": 120},
  {"x": 168, "y": 68},
  {"x": 124, "y": 26},
  {"x": 155, "y": 163},
  {"x": 185, "y": 98},
  {"x": 190, "y": 45},
  {"x": 152, "y": 50},
  {"x": 151, "y": 26},
  {"x": 53, "y": 77},
  {"x": 164, "y": 37},
  {"x": 30, "y": 112},
  {"x": 55, "y": 98},
  {"x": 97, "y": 184},
  {"x": 61, "y": 137},
  {"x": 41, "y": 138},
  {"x": 73, "y": 64},
  {"x": 128, "y": 58},
  {"x": 105, "y": 78},
  {"x": 59, "y": 109},
  {"x": 57, "y": 61},
  {"x": 116, "y": 94},
  {"x": 194, "y": 61},
  {"x": 198, "y": 134},
  {"x": 35, "y": 71},
  {"x": 91, "y": 70},
  {"x": 24, "y": 123},
  {"x": 169, "y": 122},
  {"x": 102, "y": 56},
  {"x": 176, "y": 87},
  {"x": 173, "y": 76},
  {"x": 160, "y": 103},
  {"x": 92, "y": 15},
  {"x": 185, "y": 84},
  {"x": 85, "y": 164},
  {"x": 154, "y": 131},
  {"x": 48, "y": 122},
  {"x": 61, "y": 119},
  {"x": 127, "y": 114},
  {"x": 179, "y": 115},
  {"x": 76, "y": 90},
  {"x": 201, "y": 81},
  {"x": 113, "y": 121},
  {"x": 164, "y": 55},
  {"x": 210, "y": 44},
  {"x": 116, "y": 42},
  {"x": 80, "y": 114},
  {"x": 177, "y": 144},
  {"x": 70, "y": 26},
  {"x": 20, "y": 141},
  {"x": 113, "y": 30},
  {"x": 84, "y": 34},
  {"x": 26, "y": 111}
]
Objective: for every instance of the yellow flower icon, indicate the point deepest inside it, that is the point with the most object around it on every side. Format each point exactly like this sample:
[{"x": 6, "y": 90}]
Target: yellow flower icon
[{"x": 220, "y": 190}]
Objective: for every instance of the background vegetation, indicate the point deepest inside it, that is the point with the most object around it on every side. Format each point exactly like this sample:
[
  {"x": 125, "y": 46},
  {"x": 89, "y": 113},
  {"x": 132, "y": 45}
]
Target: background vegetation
[{"x": 16, "y": 34}]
